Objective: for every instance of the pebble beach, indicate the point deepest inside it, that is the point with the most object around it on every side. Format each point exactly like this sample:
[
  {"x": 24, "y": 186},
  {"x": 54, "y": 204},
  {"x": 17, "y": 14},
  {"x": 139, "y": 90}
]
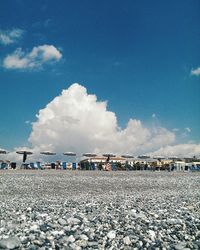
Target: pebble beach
[{"x": 57, "y": 209}]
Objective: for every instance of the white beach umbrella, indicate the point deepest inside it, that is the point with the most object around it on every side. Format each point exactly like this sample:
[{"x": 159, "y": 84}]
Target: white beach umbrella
[
  {"x": 69, "y": 153},
  {"x": 160, "y": 157},
  {"x": 89, "y": 154},
  {"x": 2, "y": 151},
  {"x": 127, "y": 156},
  {"x": 109, "y": 155},
  {"x": 47, "y": 153},
  {"x": 143, "y": 156}
]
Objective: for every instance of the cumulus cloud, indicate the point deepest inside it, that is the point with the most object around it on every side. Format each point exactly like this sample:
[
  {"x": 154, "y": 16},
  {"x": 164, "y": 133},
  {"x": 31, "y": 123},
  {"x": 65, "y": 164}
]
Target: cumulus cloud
[
  {"x": 35, "y": 59},
  {"x": 77, "y": 121},
  {"x": 175, "y": 129},
  {"x": 195, "y": 72},
  {"x": 10, "y": 36},
  {"x": 188, "y": 130},
  {"x": 180, "y": 150}
]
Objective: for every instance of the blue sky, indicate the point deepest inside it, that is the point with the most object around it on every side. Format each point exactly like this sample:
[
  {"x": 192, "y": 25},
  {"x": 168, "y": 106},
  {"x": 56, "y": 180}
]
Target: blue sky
[{"x": 137, "y": 55}]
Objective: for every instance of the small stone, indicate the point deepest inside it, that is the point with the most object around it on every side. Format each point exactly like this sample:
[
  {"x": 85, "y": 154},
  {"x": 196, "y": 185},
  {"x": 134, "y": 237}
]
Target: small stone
[
  {"x": 126, "y": 240},
  {"x": 140, "y": 243},
  {"x": 152, "y": 234},
  {"x": 174, "y": 221},
  {"x": 180, "y": 246},
  {"x": 23, "y": 217},
  {"x": 92, "y": 244},
  {"x": 55, "y": 233},
  {"x": 37, "y": 242},
  {"x": 73, "y": 221},
  {"x": 81, "y": 243},
  {"x": 111, "y": 235},
  {"x": 71, "y": 238},
  {"x": 34, "y": 228},
  {"x": 62, "y": 222},
  {"x": 141, "y": 216},
  {"x": 10, "y": 243},
  {"x": 74, "y": 246},
  {"x": 83, "y": 237},
  {"x": 67, "y": 228},
  {"x": 31, "y": 237},
  {"x": 133, "y": 212},
  {"x": 50, "y": 237},
  {"x": 24, "y": 239},
  {"x": 44, "y": 227}
]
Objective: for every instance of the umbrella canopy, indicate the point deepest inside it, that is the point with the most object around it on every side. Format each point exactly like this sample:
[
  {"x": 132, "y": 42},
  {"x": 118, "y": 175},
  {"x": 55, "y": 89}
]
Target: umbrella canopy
[
  {"x": 143, "y": 156},
  {"x": 3, "y": 151},
  {"x": 158, "y": 157},
  {"x": 70, "y": 153},
  {"x": 127, "y": 156},
  {"x": 89, "y": 155},
  {"x": 109, "y": 155},
  {"x": 24, "y": 153},
  {"x": 47, "y": 153}
]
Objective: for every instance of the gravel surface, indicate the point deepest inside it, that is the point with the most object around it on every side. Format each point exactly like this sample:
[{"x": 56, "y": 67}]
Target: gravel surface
[{"x": 99, "y": 210}]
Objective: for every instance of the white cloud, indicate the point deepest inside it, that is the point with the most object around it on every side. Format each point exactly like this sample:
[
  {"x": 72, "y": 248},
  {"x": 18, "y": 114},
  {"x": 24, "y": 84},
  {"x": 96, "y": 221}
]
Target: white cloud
[
  {"x": 76, "y": 121},
  {"x": 180, "y": 150},
  {"x": 35, "y": 59},
  {"x": 195, "y": 72},
  {"x": 10, "y": 36},
  {"x": 188, "y": 130},
  {"x": 175, "y": 129},
  {"x": 153, "y": 115}
]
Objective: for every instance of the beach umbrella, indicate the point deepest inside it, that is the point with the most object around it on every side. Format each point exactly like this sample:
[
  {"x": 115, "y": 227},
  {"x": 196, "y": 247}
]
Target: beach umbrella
[
  {"x": 127, "y": 156},
  {"x": 159, "y": 157},
  {"x": 89, "y": 154},
  {"x": 70, "y": 153},
  {"x": 3, "y": 151},
  {"x": 108, "y": 156},
  {"x": 24, "y": 153},
  {"x": 47, "y": 153},
  {"x": 143, "y": 156}
]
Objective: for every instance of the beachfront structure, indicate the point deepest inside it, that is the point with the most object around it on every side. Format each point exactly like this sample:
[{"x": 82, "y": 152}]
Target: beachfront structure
[
  {"x": 103, "y": 159},
  {"x": 194, "y": 166},
  {"x": 179, "y": 165}
]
